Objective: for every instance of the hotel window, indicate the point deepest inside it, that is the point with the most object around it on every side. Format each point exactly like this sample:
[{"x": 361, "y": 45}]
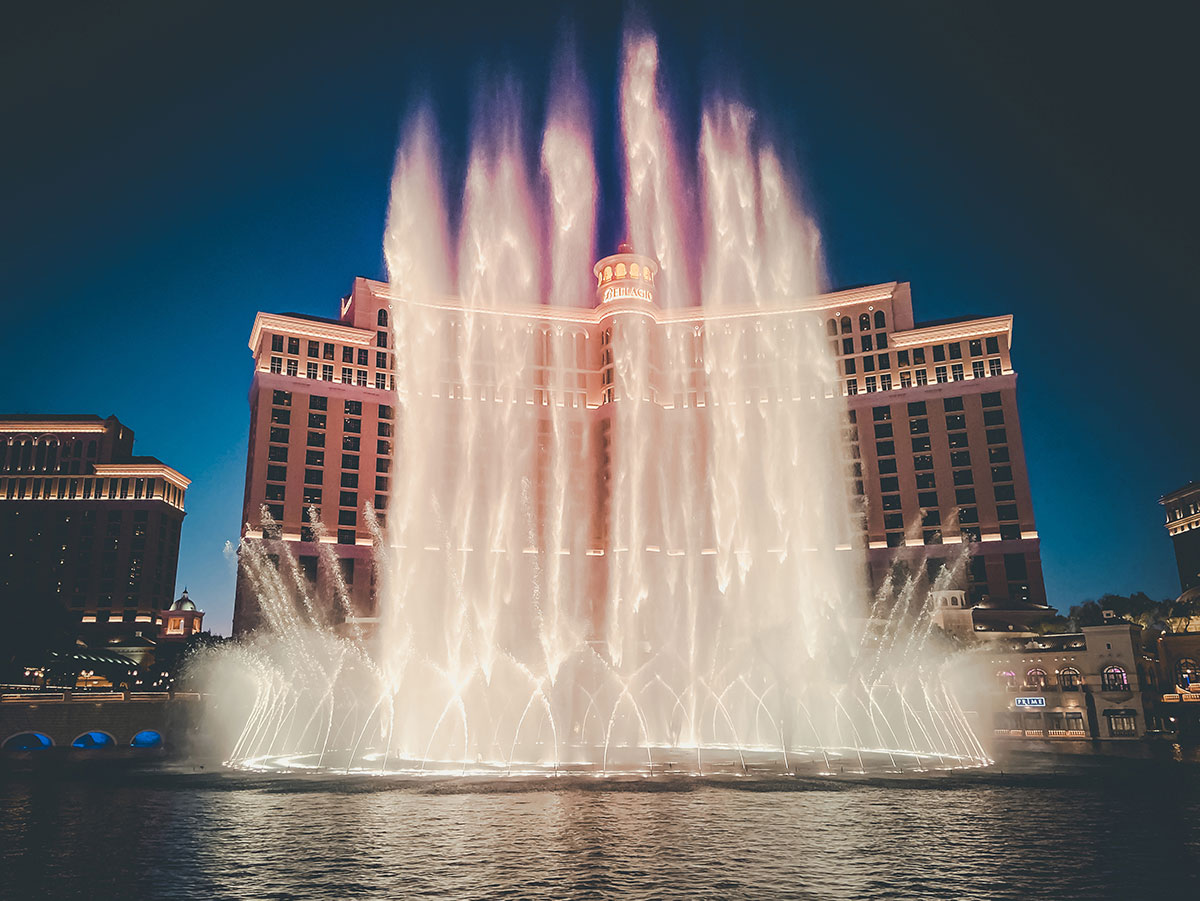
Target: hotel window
[
  {"x": 380, "y": 360},
  {"x": 347, "y": 375},
  {"x": 279, "y": 435},
  {"x": 888, "y": 465},
  {"x": 277, "y": 454},
  {"x": 1113, "y": 678},
  {"x": 312, "y": 477},
  {"x": 348, "y": 499},
  {"x": 277, "y": 364},
  {"x": 293, "y": 345},
  {"x": 964, "y": 496},
  {"x": 885, "y": 448},
  {"x": 993, "y": 345},
  {"x": 1069, "y": 679},
  {"x": 889, "y": 483},
  {"x": 931, "y": 536},
  {"x": 312, "y": 495},
  {"x": 961, "y": 458},
  {"x": 846, "y": 326},
  {"x": 926, "y": 481},
  {"x": 902, "y": 358},
  {"x": 956, "y": 370},
  {"x": 327, "y": 372},
  {"x": 350, "y": 424},
  {"x": 275, "y": 492},
  {"x": 1121, "y": 723},
  {"x": 1005, "y": 493},
  {"x": 316, "y": 439},
  {"x": 349, "y": 461},
  {"x": 922, "y": 377},
  {"x": 923, "y": 461},
  {"x": 890, "y": 502},
  {"x": 893, "y": 521},
  {"x": 920, "y": 443},
  {"x": 977, "y": 370},
  {"x": 1006, "y": 511},
  {"x": 381, "y": 483},
  {"x": 347, "y": 517},
  {"x": 994, "y": 367},
  {"x": 363, "y": 356},
  {"x": 918, "y": 426},
  {"x": 963, "y": 476},
  {"x": 1187, "y": 673},
  {"x": 276, "y": 473},
  {"x": 349, "y": 479},
  {"x": 885, "y": 382},
  {"x": 381, "y": 339},
  {"x": 991, "y": 399},
  {"x": 868, "y": 364},
  {"x": 993, "y": 417},
  {"x": 1010, "y": 532},
  {"x": 316, "y": 420},
  {"x": 968, "y": 515},
  {"x": 865, "y": 342},
  {"x": 906, "y": 380},
  {"x": 996, "y": 436},
  {"x": 881, "y": 341},
  {"x": 880, "y": 319},
  {"x": 277, "y": 343},
  {"x": 383, "y": 447},
  {"x": 881, "y": 414},
  {"x": 870, "y": 384},
  {"x": 383, "y": 464},
  {"x": 895, "y": 539},
  {"x": 385, "y": 412},
  {"x": 381, "y": 502},
  {"x": 1035, "y": 679},
  {"x": 276, "y": 511},
  {"x": 939, "y": 353},
  {"x": 293, "y": 367},
  {"x": 953, "y": 404},
  {"x": 361, "y": 379},
  {"x": 956, "y": 421},
  {"x": 345, "y": 536},
  {"x": 955, "y": 351},
  {"x": 314, "y": 348},
  {"x": 312, "y": 370},
  {"x": 941, "y": 375},
  {"x": 847, "y": 345},
  {"x": 329, "y": 351},
  {"x": 864, "y": 322},
  {"x": 918, "y": 356},
  {"x": 931, "y": 518},
  {"x": 380, "y": 380},
  {"x": 314, "y": 458},
  {"x": 347, "y": 354},
  {"x": 350, "y": 442},
  {"x": 927, "y": 498},
  {"x": 917, "y": 408},
  {"x": 352, "y": 407},
  {"x": 976, "y": 347},
  {"x": 957, "y": 440},
  {"x": 831, "y": 327},
  {"x": 281, "y": 398},
  {"x": 883, "y": 430},
  {"x": 997, "y": 455},
  {"x": 850, "y": 366},
  {"x": 884, "y": 362}
]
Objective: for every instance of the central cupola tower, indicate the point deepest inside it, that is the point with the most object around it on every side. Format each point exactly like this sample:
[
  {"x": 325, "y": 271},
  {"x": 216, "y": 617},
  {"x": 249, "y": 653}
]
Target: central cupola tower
[{"x": 625, "y": 282}]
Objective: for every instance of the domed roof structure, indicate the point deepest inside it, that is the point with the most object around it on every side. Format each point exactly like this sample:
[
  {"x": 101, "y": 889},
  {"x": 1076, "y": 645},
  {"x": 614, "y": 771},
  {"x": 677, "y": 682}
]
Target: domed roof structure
[{"x": 183, "y": 602}]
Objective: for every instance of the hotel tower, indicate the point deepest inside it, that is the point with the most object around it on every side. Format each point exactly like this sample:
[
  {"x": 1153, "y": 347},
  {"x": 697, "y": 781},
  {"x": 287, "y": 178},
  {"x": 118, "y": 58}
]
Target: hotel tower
[{"x": 932, "y": 435}]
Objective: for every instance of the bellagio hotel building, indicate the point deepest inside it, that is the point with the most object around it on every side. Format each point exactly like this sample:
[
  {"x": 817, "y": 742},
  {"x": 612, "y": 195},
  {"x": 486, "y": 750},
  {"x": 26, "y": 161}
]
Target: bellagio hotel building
[{"x": 933, "y": 435}]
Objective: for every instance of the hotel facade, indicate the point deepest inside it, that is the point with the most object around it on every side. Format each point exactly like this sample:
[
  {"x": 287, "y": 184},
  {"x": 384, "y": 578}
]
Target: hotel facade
[
  {"x": 932, "y": 434},
  {"x": 87, "y": 528}
]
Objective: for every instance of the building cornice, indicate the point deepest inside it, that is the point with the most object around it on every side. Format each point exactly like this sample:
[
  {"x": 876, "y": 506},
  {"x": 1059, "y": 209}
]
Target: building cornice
[
  {"x": 44, "y": 427},
  {"x": 308, "y": 328},
  {"x": 144, "y": 470},
  {"x": 954, "y": 331}
]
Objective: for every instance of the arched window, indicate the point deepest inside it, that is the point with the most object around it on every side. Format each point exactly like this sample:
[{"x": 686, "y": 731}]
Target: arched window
[
  {"x": 28, "y": 741},
  {"x": 1007, "y": 678},
  {"x": 1036, "y": 678},
  {"x": 846, "y": 325},
  {"x": 1114, "y": 679},
  {"x": 147, "y": 739},
  {"x": 831, "y": 326},
  {"x": 1069, "y": 679},
  {"x": 1187, "y": 674},
  {"x": 864, "y": 322},
  {"x": 94, "y": 740},
  {"x": 382, "y": 317},
  {"x": 880, "y": 319}
]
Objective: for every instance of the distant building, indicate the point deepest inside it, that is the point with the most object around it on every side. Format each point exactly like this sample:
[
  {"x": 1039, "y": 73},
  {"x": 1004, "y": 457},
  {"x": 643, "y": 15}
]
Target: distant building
[
  {"x": 933, "y": 431},
  {"x": 182, "y": 620},
  {"x": 1183, "y": 525},
  {"x": 1097, "y": 685},
  {"x": 89, "y": 532}
]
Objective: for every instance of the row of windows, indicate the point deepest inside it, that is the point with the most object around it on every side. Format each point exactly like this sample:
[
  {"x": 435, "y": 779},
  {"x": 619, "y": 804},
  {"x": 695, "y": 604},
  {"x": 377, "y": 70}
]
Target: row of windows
[
  {"x": 864, "y": 323},
  {"x": 1112, "y": 678},
  {"x": 884, "y": 381}
]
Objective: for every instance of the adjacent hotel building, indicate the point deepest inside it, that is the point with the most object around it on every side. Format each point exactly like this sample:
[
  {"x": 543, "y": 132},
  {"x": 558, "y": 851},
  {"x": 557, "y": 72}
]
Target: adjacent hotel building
[
  {"x": 933, "y": 433},
  {"x": 87, "y": 528}
]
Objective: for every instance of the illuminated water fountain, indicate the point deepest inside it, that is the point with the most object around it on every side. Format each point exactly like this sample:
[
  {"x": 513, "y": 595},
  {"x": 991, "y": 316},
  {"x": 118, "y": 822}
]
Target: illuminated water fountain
[{"x": 620, "y": 537}]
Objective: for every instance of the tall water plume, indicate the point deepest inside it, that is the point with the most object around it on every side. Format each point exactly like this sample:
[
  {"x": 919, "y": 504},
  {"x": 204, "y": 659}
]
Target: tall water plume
[{"x": 619, "y": 537}]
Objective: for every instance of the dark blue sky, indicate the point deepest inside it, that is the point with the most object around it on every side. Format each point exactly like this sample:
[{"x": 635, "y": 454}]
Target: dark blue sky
[{"x": 170, "y": 169}]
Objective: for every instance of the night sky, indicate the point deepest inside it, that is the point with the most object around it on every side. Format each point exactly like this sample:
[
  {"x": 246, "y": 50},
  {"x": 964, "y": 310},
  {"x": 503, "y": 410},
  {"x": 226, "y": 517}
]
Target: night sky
[{"x": 172, "y": 168}]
